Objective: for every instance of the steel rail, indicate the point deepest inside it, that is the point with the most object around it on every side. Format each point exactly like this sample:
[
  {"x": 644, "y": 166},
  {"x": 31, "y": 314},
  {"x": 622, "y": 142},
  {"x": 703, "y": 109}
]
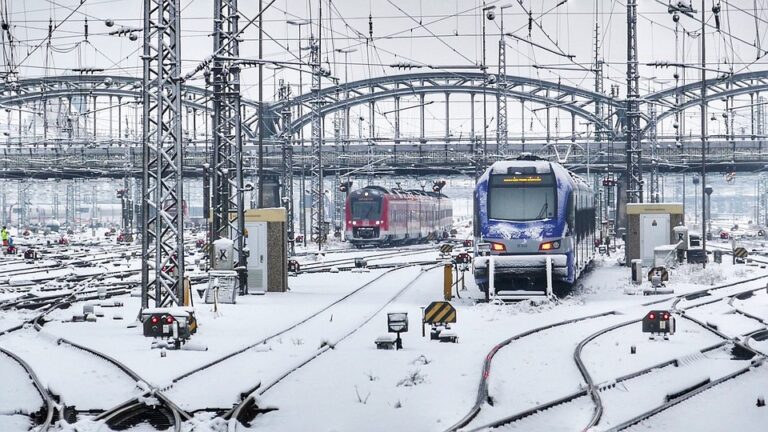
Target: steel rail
[
  {"x": 234, "y": 413},
  {"x": 482, "y": 393}
]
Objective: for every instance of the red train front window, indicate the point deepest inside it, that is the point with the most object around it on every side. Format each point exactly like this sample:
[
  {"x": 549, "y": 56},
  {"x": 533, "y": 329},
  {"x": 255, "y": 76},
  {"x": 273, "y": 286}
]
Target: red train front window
[{"x": 366, "y": 208}]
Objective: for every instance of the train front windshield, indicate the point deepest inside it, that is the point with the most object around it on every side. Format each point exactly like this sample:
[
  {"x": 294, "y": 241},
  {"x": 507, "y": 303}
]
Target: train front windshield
[
  {"x": 522, "y": 197},
  {"x": 366, "y": 208}
]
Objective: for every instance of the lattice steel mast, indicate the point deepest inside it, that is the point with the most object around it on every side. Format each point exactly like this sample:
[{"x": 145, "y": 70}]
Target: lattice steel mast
[
  {"x": 598, "y": 66},
  {"x": 652, "y": 136},
  {"x": 287, "y": 172},
  {"x": 501, "y": 96},
  {"x": 316, "y": 161},
  {"x": 227, "y": 202},
  {"x": 634, "y": 176},
  {"x": 162, "y": 244}
]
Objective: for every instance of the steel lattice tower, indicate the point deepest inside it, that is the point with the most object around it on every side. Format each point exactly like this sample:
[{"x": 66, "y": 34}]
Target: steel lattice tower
[
  {"x": 501, "y": 98},
  {"x": 227, "y": 201},
  {"x": 653, "y": 143},
  {"x": 634, "y": 175},
  {"x": 338, "y": 197},
  {"x": 162, "y": 244},
  {"x": 69, "y": 206},
  {"x": 316, "y": 162},
  {"x": 598, "y": 83},
  {"x": 287, "y": 172}
]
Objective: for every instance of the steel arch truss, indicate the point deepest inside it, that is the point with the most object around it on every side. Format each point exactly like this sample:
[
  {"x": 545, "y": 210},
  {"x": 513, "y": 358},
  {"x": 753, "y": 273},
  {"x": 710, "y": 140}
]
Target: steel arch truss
[
  {"x": 67, "y": 87},
  {"x": 577, "y": 101},
  {"x": 717, "y": 89}
]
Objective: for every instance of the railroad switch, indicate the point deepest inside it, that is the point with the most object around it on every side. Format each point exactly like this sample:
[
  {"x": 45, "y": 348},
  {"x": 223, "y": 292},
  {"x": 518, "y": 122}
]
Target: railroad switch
[
  {"x": 443, "y": 333},
  {"x": 361, "y": 266}
]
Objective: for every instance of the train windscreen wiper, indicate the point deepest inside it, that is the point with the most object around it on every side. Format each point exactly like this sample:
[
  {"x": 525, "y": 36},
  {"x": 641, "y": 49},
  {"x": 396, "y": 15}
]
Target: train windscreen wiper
[{"x": 543, "y": 209}]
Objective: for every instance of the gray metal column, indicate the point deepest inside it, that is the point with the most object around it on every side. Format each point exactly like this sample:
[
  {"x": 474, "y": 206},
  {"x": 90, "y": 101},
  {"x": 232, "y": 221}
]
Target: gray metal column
[
  {"x": 397, "y": 120},
  {"x": 421, "y": 117},
  {"x": 316, "y": 160},
  {"x": 447, "y": 118},
  {"x": 372, "y": 119},
  {"x": 287, "y": 136},
  {"x": 227, "y": 202},
  {"x": 501, "y": 96},
  {"x": 472, "y": 117},
  {"x": 162, "y": 244},
  {"x": 634, "y": 176}
]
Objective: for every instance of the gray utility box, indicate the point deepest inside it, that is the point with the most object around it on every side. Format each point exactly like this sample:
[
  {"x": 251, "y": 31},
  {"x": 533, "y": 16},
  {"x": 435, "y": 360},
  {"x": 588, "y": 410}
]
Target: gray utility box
[
  {"x": 649, "y": 226},
  {"x": 267, "y": 243},
  {"x": 637, "y": 271}
]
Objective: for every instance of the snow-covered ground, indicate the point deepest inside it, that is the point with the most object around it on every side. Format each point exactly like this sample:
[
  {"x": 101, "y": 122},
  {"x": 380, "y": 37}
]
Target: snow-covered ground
[{"x": 327, "y": 324}]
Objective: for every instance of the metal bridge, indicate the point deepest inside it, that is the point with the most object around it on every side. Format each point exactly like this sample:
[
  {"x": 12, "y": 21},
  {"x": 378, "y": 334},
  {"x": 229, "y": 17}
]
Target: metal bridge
[{"x": 91, "y": 125}]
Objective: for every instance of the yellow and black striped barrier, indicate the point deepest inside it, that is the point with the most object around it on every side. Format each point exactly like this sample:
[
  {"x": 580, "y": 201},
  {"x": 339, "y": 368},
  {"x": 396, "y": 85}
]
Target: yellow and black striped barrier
[
  {"x": 439, "y": 314},
  {"x": 740, "y": 252}
]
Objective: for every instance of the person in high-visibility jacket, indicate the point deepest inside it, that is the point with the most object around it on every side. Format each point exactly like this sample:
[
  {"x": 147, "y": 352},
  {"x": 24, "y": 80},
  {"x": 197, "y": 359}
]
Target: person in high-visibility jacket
[{"x": 4, "y": 235}]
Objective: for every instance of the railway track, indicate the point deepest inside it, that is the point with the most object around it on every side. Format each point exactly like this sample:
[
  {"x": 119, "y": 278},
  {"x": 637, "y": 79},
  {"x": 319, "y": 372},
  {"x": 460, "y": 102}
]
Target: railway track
[
  {"x": 315, "y": 267},
  {"x": 247, "y": 409},
  {"x": 592, "y": 390},
  {"x": 151, "y": 405},
  {"x": 315, "y": 325},
  {"x": 49, "y": 410}
]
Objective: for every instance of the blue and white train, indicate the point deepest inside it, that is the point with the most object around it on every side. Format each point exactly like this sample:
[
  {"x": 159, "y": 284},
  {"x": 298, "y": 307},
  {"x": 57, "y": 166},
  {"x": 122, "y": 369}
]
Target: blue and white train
[{"x": 525, "y": 211}]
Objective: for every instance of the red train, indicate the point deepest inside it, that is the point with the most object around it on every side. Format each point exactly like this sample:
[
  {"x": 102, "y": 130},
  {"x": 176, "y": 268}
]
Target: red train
[{"x": 380, "y": 216}]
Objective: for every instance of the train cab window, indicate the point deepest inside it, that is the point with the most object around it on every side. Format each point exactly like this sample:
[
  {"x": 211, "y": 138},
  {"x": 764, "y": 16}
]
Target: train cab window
[
  {"x": 366, "y": 208},
  {"x": 522, "y": 197}
]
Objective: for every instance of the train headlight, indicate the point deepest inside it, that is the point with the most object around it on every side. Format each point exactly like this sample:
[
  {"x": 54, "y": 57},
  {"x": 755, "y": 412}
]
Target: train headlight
[
  {"x": 498, "y": 247},
  {"x": 378, "y": 222},
  {"x": 552, "y": 245}
]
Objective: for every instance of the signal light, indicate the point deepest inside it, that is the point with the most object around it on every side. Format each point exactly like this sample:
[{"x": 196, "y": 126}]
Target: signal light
[
  {"x": 498, "y": 247},
  {"x": 665, "y": 317},
  {"x": 169, "y": 319},
  {"x": 652, "y": 316},
  {"x": 154, "y": 319}
]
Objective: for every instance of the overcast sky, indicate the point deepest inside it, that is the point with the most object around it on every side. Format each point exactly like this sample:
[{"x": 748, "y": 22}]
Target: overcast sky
[{"x": 429, "y": 32}]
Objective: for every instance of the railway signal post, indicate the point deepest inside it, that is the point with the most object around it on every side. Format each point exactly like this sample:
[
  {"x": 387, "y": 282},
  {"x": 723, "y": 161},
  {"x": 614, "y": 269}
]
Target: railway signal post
[{"x": 659, "y": 322}]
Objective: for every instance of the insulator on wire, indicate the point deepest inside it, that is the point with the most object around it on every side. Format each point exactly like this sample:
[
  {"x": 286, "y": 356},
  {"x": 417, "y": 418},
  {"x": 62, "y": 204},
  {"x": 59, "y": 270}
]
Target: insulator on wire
[
  {"x": 370, "y": 27},
  {"x": 530, "y": 23},
  {"x": 86, "y": 29}
]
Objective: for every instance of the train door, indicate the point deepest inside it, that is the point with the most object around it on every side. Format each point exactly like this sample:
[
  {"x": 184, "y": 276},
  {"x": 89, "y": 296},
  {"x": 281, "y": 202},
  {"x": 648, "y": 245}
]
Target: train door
[{"x": 572, "y": 224}]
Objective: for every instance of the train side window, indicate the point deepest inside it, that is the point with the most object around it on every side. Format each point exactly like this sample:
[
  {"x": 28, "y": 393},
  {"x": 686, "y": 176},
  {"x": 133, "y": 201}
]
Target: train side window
[{"x": 570, "y": 212}]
